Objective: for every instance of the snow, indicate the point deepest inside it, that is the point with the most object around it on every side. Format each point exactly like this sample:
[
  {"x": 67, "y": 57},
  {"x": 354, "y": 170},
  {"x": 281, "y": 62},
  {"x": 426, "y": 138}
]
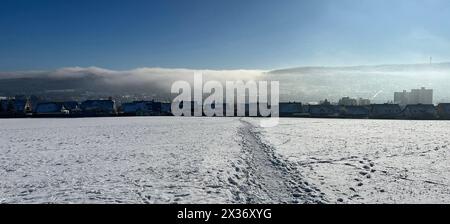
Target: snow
[
  {"x": 368, "y": 161},
  {"x": 223, "y": 160},
  {"x": 116, "y": 160}
]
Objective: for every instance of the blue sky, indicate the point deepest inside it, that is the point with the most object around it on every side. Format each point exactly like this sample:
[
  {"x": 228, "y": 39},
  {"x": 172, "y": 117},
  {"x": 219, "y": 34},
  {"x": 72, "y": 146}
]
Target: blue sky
[{"x": 221, "y": 34}]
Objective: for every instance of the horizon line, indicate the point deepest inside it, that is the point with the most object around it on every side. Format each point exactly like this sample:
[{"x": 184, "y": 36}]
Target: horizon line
[{"x": 227, "y": 69}]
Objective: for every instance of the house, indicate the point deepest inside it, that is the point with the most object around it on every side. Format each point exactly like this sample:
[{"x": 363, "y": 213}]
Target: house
[
  {"x": 5, "y": 108},
  {"x": 51, "y": 109},
  {"x": 3, "y": 105},
  {"x": 20, "y": 106},
  {"x": 34, "y": 101},
  {"x": 419, "y": 111},
  {"x": 14, "y": 107},
  {"x": 290, "y": 109},
  {"x": 98, "y": 108},
  {"x": 323, "y": 111},
  {"x": 385, "y": 111},
  {"x": 129, "y": 109},
  {"x": 71, "y": 105},
  {"x": 166, "y": 109},
  {"x": 443, "y": 110},
  {"x": 156, "y": 107},
  {"x": 354, "y": 112},
  {"x": 144, "y": 108},
  {"x": 141, "y": 108}
]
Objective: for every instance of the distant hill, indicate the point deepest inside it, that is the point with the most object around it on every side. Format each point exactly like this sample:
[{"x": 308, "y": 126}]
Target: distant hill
[
  {"x": 380, "y": 68},
  {"x": 93, "y": 81},
  {"x": 306, "y": 84},
  {"x": 375, "y": 82}
]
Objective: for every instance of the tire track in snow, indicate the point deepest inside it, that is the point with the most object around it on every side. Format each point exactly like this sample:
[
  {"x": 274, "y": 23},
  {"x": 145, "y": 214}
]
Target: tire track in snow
[{"x": 262, "y": 176}]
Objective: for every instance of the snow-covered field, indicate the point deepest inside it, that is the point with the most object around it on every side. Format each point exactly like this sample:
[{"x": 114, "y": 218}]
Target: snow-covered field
[
  {"x": 368, "y": 161},
  {"x": 223, "y": 160}
]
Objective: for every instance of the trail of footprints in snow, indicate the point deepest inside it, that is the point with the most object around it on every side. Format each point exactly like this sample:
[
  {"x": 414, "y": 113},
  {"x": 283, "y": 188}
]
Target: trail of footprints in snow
[
  {"x": 365, "y": 170},
  {"x": 261, "y": 176}
]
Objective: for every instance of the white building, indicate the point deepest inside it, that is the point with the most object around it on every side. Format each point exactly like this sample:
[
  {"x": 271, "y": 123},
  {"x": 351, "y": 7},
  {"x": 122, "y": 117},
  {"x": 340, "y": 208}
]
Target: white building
[
  {"x": 416, "y": 96},
  {"x": 347, "y": 101},
  {"x": 363, "y": 102}
]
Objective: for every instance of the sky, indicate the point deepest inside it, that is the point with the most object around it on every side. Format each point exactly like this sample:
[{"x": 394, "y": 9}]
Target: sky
[{"x": 221, "y": 34}]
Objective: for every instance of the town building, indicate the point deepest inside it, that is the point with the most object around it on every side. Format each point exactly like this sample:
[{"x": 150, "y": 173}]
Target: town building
[
  {"x": 347, "y": 101},
  {"x": 419, "y": 111},
  {"x": 416, "y": 96},
  {"x": 166, "y": 109},
  {"x": 128, "y": 109},
  {"x": 354, "y": 112},
  {"x": 4, "y": 105},
  {"x": 51, "y": 109},
  {"x": 401, "y": 98},
  {"x": 156, "y": 108},
  {"x": 443, "y": 110},
  {"x": 71, "y": 105},
  {"x": 98, "y": 108},
  {"x": 21, "y": 106},
  {"x": 290, "y": 109},
  {"x": 363, "y": 102},
  {"x": 385, "y": 111},
  {"x": 421, "y": 96},
  {"x": 325, "y": 102},
  {"x": 141, "y": 108},
  {"x": 323, "y": 110},
  {"x": 14, "y": 107}
]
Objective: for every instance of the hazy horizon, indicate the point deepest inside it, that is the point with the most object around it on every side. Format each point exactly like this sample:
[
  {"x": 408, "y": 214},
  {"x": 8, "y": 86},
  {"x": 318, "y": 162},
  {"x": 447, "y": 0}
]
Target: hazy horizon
[{"x": 306, "y": 84}]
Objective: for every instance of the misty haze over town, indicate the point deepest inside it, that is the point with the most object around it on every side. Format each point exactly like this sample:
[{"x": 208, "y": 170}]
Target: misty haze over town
[{"x": 302, "y": 84}]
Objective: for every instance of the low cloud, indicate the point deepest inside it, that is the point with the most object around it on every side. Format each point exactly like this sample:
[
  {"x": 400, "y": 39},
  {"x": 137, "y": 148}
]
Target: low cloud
[
  {"x": 306, "y": 84},
  {"x": 149, "y": 81}
]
